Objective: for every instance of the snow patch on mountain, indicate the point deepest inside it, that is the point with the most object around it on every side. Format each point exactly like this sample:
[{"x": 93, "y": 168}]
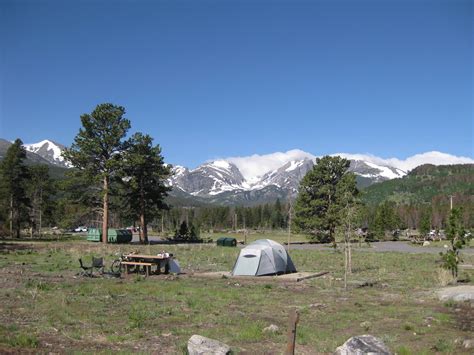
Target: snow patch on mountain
[
  {"x": 49, "y": 150},
  {"x": 403, "y": 166}
]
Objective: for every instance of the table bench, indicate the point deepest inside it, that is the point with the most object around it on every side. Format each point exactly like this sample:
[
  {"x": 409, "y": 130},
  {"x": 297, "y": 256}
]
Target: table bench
[{"x": 146, "y": 266}]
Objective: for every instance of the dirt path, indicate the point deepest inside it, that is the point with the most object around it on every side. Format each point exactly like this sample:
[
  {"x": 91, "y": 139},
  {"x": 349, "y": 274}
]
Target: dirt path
[{"x": 401, "y": 247}]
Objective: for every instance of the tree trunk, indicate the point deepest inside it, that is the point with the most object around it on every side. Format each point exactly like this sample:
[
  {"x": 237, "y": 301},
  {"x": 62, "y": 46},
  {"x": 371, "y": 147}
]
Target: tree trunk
[
  {"x": 105, "y": 219},
  {"x": 346, "y": 261},
  {"x": 349, "y": 250},
  {"x": 143, "y": 227},
  {"x": 11, "y": 216}
]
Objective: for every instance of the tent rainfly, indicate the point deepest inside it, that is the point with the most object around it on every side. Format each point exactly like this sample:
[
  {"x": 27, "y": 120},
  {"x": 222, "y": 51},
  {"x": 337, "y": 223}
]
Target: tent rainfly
[{"x": 263, "y": 257}]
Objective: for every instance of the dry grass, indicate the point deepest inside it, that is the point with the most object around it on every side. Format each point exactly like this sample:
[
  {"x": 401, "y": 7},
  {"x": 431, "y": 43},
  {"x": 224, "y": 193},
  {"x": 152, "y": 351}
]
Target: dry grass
[{"x": 45, "y": 308}]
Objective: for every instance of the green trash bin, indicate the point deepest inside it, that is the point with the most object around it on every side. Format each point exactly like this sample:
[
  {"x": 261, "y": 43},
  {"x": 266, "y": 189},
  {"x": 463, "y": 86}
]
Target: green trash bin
[
  {"x": 113, "y": 235},
  {"x": 226, "y": 242},
  {"x": 94, "y": 235}
]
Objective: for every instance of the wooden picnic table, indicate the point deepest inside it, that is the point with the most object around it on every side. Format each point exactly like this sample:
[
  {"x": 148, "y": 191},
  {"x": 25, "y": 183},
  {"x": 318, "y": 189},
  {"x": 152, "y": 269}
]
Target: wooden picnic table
[{"x": 147, "y": 261}]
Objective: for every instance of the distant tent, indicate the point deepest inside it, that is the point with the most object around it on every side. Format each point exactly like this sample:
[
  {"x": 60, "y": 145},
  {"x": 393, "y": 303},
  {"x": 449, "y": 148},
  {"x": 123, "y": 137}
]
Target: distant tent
[{"x": 263, "y": 257}]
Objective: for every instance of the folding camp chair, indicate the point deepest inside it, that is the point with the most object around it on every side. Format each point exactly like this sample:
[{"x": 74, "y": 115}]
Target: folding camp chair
[{"x": 97, "y": 264}]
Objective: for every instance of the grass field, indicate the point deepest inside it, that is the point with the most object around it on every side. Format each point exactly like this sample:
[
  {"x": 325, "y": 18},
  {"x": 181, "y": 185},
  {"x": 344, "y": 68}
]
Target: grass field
[{"x": 46, "y": 307}]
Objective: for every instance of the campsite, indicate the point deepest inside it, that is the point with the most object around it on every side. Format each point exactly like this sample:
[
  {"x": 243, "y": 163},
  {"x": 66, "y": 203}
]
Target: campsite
[
  {"x": 236, "y": 177},
  {"x": 46, "y": 306}
]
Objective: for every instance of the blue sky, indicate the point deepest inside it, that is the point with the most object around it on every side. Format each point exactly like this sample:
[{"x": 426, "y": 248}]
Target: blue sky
[{"x": 211, "y": 79}]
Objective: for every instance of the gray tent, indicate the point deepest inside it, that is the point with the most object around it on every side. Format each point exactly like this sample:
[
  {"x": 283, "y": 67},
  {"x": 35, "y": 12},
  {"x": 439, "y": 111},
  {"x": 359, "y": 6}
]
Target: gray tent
[{"x": 263, "y": 257}]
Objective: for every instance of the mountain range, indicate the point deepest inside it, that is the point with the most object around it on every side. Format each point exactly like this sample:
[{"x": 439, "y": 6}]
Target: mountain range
[{"x": 257, "y": 178}]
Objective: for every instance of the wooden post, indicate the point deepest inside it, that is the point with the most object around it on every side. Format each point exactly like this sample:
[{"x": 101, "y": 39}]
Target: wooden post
[
  {"x": 290, "y": 207},
  {"x": 294, "y": 318}
]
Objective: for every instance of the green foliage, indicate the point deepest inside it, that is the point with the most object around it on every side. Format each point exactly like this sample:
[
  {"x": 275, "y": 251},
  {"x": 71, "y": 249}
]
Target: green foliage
[
  {"x": 323, "y": 193},
  {"x": 423, "y": 184},
  {"x": 97, "y": 147},
  {"x": 458, "y": 237},
  {"x": 187, "y": 234},
  {"x": 143, "y": 179},
  {"x": 97, "y": 150},
  {"x": 425, "y": 222},
  {"x": 14, "y": 177},
  {"x": 40, "y": 192},
  {"x": 385, "y": 219}
]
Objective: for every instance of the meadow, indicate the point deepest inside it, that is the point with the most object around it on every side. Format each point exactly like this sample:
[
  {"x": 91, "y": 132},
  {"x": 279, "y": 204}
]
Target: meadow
[{"x": 46, "y": 306}]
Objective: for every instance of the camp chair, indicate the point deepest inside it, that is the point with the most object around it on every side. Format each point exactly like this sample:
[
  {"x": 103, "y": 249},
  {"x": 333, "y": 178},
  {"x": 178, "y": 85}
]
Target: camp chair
[{"x": 97, "y": 263}]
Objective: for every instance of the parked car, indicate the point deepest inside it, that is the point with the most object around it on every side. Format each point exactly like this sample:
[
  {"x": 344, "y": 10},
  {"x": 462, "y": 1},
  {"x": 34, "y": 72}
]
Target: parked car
[{"x": 80, "y": 229}]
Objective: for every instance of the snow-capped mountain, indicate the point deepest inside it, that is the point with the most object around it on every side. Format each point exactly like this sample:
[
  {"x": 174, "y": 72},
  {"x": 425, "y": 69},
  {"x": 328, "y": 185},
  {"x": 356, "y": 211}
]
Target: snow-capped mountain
[
  {"x": 220, "y": 176},
  {"x": 257, "y": 179},
  {"x": 208, "y": 179},
  {"x": 49, "y": 151}
]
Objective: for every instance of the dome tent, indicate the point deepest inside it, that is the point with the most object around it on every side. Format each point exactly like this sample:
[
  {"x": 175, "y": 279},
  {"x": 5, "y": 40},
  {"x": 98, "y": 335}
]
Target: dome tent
[{"x": 263, "y": 257}]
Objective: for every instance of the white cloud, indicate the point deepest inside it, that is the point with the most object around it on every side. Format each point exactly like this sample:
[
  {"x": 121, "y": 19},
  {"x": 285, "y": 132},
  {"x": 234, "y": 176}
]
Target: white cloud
[
  {"x": 435, "y": 158},
  {"x": 256, "y": 165}
]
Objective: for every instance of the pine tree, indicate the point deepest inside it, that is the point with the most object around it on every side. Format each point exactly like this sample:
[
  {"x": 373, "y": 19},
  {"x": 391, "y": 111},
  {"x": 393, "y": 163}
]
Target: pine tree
[
  {"x": 14, "y": 177},
  {"x": 97, "y": 150},
  {"x": 277, "y": 219},
  {"x": 458, "y": 238},
  {"x": 144, "y": 174},
  {"x": 317, "y": 208},
  {"x": 425, "y": 222},
  {"x": 385, "y": 219},
  {"x": 39, "y": 191}
]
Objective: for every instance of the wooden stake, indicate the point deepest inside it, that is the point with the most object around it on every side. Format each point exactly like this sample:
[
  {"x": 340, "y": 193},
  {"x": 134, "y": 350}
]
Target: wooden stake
[{"x": 294, "y": 318}]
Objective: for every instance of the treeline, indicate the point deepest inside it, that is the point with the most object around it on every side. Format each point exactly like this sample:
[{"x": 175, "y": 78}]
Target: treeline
[
  {"x": 25, "y": 193},
  {"x": 263, "y": 217},
  {"x": 387, "y": 216},
  {"x": 113, "y": 179}
]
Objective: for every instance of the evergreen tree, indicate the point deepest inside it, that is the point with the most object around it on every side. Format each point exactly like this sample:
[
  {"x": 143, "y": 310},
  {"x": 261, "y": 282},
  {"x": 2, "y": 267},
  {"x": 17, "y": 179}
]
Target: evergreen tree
[
  {"x": 144, "y": 175},
  {"x": 40, "y": 192},
  {"x": 277, "y": 219},
  {"x": 425, "y": 222},
  {"x": 385, "y": 219},
  {"x": 14, "y": 177},
  {"x": 317, "y": 207},
  {"x": 458, "y": 237},
  {"x": 183, "y": 231},
  {"x": 97, "y": 150}
]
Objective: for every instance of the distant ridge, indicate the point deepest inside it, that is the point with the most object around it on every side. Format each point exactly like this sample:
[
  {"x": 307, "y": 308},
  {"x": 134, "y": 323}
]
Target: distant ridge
[{"x": 257, "y": 179}]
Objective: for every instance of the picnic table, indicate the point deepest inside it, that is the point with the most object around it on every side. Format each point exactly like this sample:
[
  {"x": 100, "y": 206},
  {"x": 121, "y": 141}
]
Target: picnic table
[{"x": 147, "y": 262}]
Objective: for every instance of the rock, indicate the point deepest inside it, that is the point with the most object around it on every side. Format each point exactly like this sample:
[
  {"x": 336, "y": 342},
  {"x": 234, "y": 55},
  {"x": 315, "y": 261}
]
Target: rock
[
  {"x": 426, "y": 243},
  {"x": 199, "y": 345},
  {"x": 272, "y": 328},
  {"x": 457, "y": 293},
  {"x": 468, "y": 344},
  {"x": 362, "y": 344}
]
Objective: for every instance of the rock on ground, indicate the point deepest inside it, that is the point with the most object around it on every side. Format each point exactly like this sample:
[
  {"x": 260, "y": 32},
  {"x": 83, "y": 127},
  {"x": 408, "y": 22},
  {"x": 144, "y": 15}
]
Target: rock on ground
[
  {"x": 468, "y": 344},
  {"x": 457, "y": 293},
  {"x": 199, "y": 345},
  {"x": 272, "y": 328},
  {"x": 362, "y": 344}
]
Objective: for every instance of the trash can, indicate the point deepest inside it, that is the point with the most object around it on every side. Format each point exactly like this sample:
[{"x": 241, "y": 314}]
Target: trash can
[
  {"x": 113, "y": 235},
  {"x": 226, "y": 242}
]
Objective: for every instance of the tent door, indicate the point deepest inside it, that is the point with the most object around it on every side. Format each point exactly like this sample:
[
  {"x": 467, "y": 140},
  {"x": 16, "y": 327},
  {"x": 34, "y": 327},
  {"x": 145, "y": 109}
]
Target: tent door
[{"x": 247, "y": 264}]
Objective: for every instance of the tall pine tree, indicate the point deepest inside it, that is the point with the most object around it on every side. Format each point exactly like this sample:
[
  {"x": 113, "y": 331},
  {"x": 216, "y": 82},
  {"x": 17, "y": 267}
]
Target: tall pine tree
[
  {"x": 317, "y": 208},
  {"x": 144, "y": 176},
  {"x": 97, "y": 150}
]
